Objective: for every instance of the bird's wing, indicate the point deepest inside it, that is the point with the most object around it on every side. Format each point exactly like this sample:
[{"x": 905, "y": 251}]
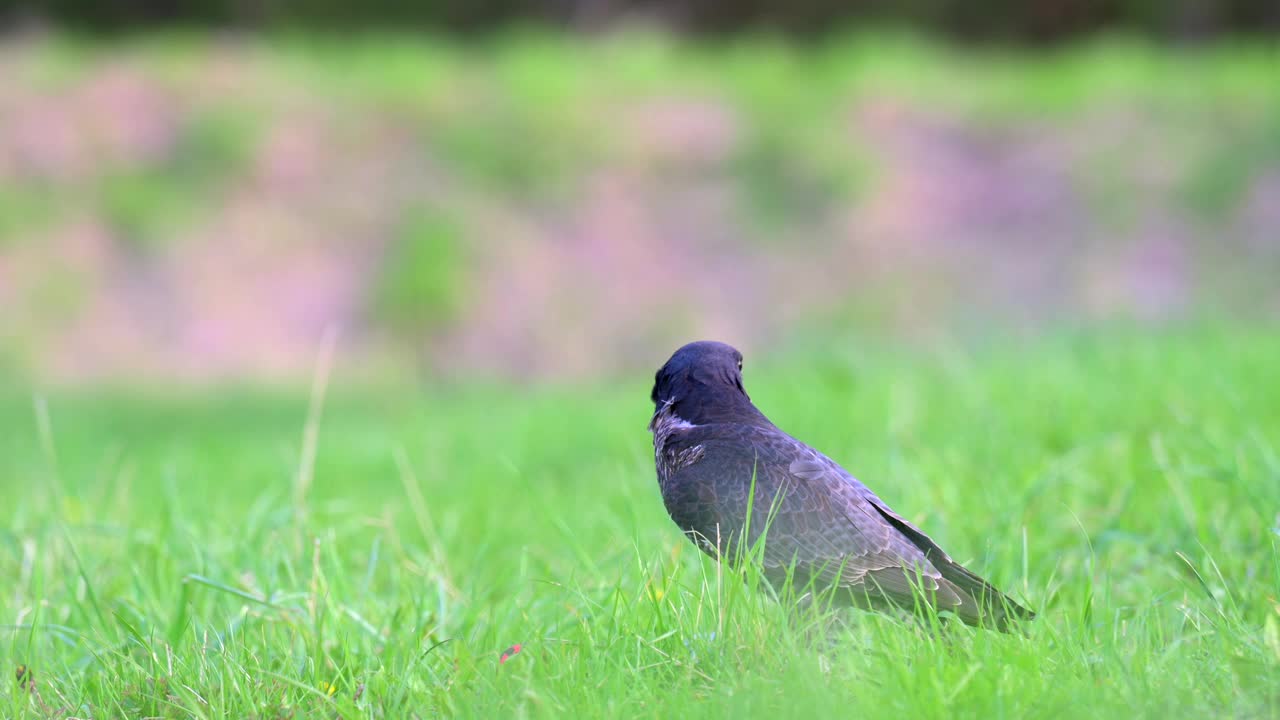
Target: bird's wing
[
  {"x": 819, "y": 523},
  {"x": 826, "y": 525},
  {"x": 974, "y": 596},
  {"x": 811, "y": 517}
]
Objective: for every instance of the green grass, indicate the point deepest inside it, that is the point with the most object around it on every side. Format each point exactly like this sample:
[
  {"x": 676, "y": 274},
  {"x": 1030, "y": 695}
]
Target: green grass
[{"x": 171, "y": 555}]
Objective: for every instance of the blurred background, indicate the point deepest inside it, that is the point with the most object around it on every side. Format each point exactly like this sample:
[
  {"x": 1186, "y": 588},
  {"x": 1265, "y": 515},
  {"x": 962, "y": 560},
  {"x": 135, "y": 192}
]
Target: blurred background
[{"x": 199, "y": 190}]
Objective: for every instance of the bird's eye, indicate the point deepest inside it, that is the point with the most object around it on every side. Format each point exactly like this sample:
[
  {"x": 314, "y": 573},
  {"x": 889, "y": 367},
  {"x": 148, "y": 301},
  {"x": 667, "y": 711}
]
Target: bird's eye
[{"x": 739, "y": 366}]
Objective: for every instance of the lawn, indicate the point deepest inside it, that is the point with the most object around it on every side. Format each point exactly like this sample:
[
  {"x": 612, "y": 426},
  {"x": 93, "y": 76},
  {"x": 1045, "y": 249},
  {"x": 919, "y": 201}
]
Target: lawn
[{"x": 201, "y": 554}]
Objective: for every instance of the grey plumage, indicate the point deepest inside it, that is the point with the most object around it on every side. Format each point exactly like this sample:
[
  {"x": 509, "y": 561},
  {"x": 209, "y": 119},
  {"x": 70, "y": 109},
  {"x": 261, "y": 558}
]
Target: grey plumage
[{"x": 711, "y": 444}]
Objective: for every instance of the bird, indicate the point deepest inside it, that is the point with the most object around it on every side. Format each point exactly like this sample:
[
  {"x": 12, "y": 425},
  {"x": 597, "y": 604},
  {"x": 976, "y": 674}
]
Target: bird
[{"x": 726, "y": 473}]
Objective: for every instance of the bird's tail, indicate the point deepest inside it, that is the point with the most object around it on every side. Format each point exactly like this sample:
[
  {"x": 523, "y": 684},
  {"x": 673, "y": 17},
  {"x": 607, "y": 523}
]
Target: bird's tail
[{"x": 981, "y": 603}]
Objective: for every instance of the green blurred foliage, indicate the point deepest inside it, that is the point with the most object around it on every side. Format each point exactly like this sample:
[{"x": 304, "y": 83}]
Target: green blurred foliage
[
  {"x": 1224, "y": 173},
  {"x": 521, "y": 124},
  {"x": 150, "y": 203},
  {"x": 524, "y": 115},
  {"x": 423, "y": 272},
  {"x": 27, "y": 207}
]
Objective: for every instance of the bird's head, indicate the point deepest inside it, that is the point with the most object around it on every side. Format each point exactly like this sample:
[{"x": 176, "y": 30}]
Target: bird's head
[{"x": 701, "y": 382}]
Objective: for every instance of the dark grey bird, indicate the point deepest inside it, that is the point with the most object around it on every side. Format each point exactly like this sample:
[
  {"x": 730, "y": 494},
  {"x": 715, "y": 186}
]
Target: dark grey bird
[{"x": 825, "y": 530}]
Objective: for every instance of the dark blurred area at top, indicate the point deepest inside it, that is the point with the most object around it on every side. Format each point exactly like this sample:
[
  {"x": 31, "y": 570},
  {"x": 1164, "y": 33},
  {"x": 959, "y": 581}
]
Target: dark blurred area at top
[{"x": 1035, "y": 21}]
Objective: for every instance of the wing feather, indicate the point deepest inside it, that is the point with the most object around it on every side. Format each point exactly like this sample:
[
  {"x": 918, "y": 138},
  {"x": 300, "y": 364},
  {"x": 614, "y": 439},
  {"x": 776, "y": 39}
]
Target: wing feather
[{"x": 822, "y": 524}]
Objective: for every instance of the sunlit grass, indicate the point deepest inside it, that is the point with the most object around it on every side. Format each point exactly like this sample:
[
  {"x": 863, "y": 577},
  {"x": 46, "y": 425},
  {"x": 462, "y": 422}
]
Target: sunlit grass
[{"x": 161, "y": 559}]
